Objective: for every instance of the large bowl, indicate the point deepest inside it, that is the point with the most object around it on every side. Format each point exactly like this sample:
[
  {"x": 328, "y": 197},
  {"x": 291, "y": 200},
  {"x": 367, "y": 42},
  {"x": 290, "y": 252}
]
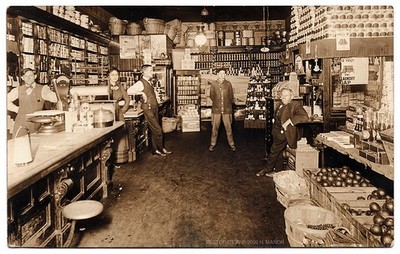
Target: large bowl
[{"x": 103, "y": 118}]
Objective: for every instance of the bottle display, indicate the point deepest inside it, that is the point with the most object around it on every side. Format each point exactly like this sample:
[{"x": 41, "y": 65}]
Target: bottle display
[{"x": 257, "y": 106}]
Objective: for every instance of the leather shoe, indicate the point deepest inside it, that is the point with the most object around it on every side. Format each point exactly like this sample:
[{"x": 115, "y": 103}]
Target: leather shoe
[
  {"x": 233, "y": 148},
  {"x": 159, "y": 153},
  {"x": 211, "y": 148},
  {"x": 270, "y": 174},
  {"x": 263, "y": 172},
  {"x": 166, "y": 151}
]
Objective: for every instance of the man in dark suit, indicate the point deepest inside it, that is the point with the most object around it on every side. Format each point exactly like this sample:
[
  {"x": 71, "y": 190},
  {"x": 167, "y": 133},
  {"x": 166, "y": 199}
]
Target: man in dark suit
[{"x": 284, "y": 131}]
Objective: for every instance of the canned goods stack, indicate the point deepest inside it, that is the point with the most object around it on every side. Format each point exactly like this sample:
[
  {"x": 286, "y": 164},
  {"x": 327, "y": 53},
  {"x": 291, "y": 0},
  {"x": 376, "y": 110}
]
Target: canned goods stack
[
  {"x": 221, "y": 38},
  {"x": 248, "y": 37},
  {"x": 238, "y": 39}
]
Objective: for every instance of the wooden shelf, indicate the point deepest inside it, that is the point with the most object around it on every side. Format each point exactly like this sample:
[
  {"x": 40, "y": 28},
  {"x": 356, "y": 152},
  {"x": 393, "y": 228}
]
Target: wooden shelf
[
  {"x": 41, "y": 16},
  {"x": 235, "y": 49},
  {"x": 359, "y": 47}
]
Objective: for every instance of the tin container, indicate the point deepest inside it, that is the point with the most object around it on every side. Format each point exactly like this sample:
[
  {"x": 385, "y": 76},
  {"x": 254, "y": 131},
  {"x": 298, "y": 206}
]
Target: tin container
[
  {"x": 251, "y": 41},
  {"x": 237, "y": 34},
  {"x": 238, "y": 41},
  {"x": 221, "y": 38}
]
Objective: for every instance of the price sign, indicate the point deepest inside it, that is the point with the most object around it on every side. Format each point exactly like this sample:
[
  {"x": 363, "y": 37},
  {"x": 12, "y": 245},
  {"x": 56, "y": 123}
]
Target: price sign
[
  {"x": 342, "y": 42},
  {"x": 354, "y": 70}
]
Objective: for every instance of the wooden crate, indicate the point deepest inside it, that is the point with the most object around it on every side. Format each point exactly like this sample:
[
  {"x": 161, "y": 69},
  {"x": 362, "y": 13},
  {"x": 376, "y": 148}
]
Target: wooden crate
[
  {"x": 299, "y": 160},
  {"x": 351, "y": 199},
  {"x": 327, "y": 197}
]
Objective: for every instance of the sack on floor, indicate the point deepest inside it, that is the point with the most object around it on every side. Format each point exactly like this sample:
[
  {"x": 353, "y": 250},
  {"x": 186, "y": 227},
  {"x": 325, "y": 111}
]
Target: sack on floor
[{"x": 169, "y": 124}]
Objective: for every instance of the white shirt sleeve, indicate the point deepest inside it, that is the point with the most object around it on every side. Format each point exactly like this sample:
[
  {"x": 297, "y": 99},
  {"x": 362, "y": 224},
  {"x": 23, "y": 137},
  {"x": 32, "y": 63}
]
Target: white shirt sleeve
[
  {"x": 136, "y": 88},
  {"x": 49, "y": 95},
  {"x": 11, "y": 97}
]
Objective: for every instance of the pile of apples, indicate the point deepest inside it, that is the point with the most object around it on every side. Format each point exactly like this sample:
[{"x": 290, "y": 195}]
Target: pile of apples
[
  {"x": 383, "y": 221},
  {"x": 340, "y": 177}
]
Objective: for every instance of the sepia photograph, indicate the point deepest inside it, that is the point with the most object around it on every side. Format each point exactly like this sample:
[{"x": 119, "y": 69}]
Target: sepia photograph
[{"x": 204, "y": 126}]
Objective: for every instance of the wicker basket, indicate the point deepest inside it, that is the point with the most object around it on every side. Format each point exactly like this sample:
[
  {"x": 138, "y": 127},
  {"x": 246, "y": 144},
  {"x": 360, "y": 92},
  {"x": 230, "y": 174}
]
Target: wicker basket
[
  {"x": 285, "y": 198},
  {"x": 299, "y": 217},
  {"x": 290, "y": 186},
  {"x": 154, "y": 26},
  {"x": 133, "y": 29},
  {"x": 117, "y": 26}
]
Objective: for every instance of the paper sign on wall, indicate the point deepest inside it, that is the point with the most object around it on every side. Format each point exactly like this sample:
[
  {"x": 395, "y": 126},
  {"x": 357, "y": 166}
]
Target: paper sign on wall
[
  {"x": 127, "y": 46},
  {"x": 354, "y": 70},
  {"x": 308, "y": 46},
  {"x": 342, "y": 42}
]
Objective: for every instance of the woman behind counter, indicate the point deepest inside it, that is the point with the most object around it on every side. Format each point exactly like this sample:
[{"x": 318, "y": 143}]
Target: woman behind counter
[{"x": 118, "y": 93}]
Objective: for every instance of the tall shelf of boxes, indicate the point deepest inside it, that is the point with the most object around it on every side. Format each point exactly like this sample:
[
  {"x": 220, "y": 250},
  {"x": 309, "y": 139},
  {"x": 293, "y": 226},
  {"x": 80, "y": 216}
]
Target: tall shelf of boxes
[
  {"x": 52, "y": 45},
  {"x": 187, "y": 90}
]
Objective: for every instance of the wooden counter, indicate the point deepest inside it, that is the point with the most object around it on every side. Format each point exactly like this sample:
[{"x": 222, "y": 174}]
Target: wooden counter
[
  {"x": 50, "y": 152},
  {"x": 353, "y": 153},
  {"x": 67, "y": 167}
]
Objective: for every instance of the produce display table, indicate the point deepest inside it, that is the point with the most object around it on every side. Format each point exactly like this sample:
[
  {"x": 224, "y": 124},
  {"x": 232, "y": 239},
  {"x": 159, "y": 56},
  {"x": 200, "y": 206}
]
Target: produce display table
[
  {"x": 353, "y": 153},
  {"x": 332, "y": 198}
]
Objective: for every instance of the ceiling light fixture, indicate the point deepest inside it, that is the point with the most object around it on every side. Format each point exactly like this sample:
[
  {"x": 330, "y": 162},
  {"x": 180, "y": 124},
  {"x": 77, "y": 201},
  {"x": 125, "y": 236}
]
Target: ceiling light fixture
[
  {"x": 200, "y": 38},
  {"x": 204, "y": 12},
  {"x": 265, "y": 48}
]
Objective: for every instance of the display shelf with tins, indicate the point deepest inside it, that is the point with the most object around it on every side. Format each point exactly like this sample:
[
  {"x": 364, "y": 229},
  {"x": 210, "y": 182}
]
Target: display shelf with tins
[
  {"x": 187, "y": 98},
  {"x": 91, "y": 71},
  {"x": 52, "y": 48},
  {"x": 239, "y": 62},
  {"x": 187, "y": 84}
]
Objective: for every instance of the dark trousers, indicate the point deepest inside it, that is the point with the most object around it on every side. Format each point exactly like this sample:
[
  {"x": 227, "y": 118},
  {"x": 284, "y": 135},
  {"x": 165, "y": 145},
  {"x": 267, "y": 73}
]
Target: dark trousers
[
  {"x": 151, "y": 116},
  {"x": 275, "y": 158}
]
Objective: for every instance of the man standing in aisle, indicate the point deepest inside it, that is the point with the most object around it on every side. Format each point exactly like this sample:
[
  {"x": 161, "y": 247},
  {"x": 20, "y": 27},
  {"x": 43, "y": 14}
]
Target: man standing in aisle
[
  {"x": 31, "y": 97},
  {"x": 284, "y": 131},
  {"x": 144, "y": 88},
  {"x": 221, "y": 94}
]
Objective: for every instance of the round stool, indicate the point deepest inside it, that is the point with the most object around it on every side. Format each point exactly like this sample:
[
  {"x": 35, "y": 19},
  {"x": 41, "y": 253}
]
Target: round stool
[{"x": 80, "y": 210}]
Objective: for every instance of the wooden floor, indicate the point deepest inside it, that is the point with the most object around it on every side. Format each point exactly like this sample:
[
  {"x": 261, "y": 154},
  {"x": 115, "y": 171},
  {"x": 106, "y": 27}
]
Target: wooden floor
[{"x": 192, "y": 198}]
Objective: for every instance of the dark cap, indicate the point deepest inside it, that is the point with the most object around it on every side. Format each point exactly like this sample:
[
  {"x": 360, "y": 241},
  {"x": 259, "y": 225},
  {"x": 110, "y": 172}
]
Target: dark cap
[{"x": 220, "y": 69}]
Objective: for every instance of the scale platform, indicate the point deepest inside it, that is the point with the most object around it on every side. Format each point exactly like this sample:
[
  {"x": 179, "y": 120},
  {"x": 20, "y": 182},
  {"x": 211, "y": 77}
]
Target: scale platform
[{"x": 51, "y": 121}]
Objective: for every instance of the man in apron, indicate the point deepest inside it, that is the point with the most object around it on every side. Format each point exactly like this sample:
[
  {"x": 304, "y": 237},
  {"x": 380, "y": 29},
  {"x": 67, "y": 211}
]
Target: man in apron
[
  {"x": 144, "y": 88},
  {"x": 31, "y": 98}
]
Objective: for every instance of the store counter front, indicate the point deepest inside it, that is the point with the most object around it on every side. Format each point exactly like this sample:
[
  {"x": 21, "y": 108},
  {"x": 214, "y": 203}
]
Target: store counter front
[{"x": 66, "y": 167}]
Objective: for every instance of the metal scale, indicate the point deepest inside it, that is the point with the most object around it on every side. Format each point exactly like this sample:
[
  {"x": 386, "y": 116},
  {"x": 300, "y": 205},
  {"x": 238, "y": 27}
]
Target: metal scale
[{"x": 51, "y": 121}]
